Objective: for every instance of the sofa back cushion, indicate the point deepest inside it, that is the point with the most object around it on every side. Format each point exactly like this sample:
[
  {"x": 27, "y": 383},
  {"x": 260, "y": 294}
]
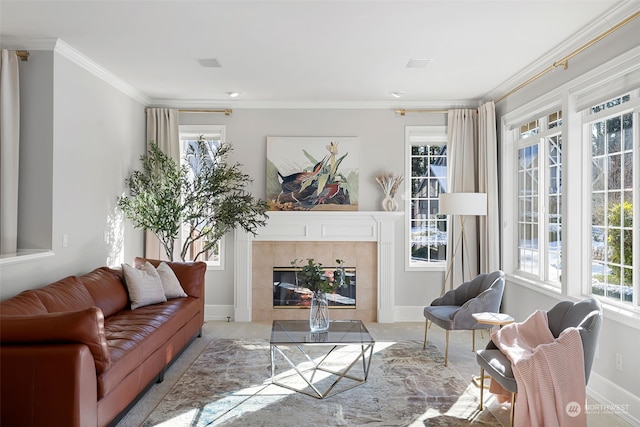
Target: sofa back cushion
[
  {"x": 68, "y": 294},
  {"x": 25, "y": 303},
  {"x": 107, "y": 289}
]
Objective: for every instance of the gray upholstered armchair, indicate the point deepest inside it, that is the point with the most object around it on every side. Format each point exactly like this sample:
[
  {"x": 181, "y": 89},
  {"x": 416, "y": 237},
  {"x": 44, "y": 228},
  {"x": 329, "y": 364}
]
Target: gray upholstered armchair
[
  {"x": 586, "y": 315},
  {"x": 453, "y": 311}
]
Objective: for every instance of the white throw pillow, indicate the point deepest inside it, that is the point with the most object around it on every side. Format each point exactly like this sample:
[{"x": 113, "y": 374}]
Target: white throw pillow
[
  {"x": 144, "y": 285},
  {"x": 170, "y": 283}
]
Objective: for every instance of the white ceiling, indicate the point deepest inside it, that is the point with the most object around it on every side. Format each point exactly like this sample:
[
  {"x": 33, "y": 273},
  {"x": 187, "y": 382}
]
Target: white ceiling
[{"x": 305, "y": 52}]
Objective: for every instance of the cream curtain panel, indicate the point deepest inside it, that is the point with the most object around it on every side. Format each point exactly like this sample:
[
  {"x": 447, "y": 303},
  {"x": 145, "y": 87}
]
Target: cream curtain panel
[
  {"x": 9, "y": 151},
  {"x": 163, "y": 129},
  {"x": 488, "y": 183},
  {"x": 472, "y": 167}
]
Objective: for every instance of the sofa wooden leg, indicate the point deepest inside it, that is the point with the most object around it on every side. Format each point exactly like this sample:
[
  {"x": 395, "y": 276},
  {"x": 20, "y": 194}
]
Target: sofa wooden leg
[
  {"x": 200, "y": 333},
  {"x": 160, "y": 377}
]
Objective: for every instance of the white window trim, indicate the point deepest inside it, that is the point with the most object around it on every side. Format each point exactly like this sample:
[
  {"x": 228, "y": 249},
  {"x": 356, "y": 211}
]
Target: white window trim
[
  {"x": 511, "y": 144},
  {"x": 211, "y": 131},
  {"x": 586, "y": 121},
  {"x": 617, "y": 74},
  {"x": 417, "y": 135}
]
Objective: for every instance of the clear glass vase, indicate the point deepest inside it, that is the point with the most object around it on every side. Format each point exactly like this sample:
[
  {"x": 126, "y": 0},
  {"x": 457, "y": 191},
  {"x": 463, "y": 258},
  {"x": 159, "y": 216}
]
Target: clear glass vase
[{"x": 319, "y": 314}]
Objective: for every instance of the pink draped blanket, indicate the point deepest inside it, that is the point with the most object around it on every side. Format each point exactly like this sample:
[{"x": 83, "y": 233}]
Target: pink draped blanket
[{"x": 549, "y": 372}]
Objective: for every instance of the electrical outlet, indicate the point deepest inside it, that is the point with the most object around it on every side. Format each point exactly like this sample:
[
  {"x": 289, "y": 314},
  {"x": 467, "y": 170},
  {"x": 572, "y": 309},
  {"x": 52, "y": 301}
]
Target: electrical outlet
[{"x": 618, "y": 362}]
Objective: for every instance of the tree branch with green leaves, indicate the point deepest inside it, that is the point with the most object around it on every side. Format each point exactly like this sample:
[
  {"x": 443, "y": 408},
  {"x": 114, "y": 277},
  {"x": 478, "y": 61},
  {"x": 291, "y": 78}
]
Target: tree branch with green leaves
[{"x": 206, "y": 194}]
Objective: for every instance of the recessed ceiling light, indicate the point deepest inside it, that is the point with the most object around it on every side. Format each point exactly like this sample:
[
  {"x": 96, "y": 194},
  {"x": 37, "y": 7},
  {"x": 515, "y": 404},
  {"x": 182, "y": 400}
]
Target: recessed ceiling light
[
  {"x": 233, "y": 94},
  {"x": 396, "y": 94},
  {"x": 209, "y": 62},
  {"x": 419, "y": 63}
]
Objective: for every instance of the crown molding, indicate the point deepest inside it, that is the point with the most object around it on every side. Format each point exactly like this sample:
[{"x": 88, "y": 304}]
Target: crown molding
[
  {"x": 312, "y": 105},
  {"x": 21, "y": 43},
  {"x": 588, "y": 33},
  {"x": 83, "y": 61},
  {"x": 62, "y": 48}
]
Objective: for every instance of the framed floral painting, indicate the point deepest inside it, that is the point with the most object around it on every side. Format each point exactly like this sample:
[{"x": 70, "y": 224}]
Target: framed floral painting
[{"x": 312, "y": 173}]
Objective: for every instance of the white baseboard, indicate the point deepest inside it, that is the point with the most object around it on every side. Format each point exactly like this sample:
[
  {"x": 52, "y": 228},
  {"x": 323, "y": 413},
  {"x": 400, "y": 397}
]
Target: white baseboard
[
  {"x": 613, "y": 399},
  {"x": 408, "y": 313},
  {"x": 218, "y": 312}
]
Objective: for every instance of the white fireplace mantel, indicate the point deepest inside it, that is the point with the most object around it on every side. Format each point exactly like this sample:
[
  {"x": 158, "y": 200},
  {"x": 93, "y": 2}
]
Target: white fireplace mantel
[{"x": 317, "y": 226}]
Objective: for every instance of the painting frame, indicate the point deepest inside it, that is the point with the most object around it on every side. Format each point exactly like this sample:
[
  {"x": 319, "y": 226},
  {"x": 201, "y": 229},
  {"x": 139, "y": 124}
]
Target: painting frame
[{"x": 312, "y": 173}]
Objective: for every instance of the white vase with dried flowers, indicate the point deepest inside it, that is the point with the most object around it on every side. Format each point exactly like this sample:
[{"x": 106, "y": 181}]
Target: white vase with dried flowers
[{"x": 389, "y": 184}]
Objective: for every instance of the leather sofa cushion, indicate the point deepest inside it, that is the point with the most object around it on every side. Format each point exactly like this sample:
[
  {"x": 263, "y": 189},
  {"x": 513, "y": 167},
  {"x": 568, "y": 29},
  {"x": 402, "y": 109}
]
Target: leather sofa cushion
[
  {"x": 26, "y": 302},
  {"x": 68, "y": 294},
  {"x": 84, "y": 326},
  {"x": 106, "y": 287},
  {"x": 133, "y": 335}
]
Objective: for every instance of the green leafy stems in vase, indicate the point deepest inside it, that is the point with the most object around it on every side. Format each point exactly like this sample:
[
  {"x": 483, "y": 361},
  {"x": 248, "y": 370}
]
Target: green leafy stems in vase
[{"x": 314, "y": 277}]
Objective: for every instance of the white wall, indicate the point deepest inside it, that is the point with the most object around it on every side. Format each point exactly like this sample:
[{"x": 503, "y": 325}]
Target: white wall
[
  {"x": 91, "y": 136},
  {"x": 381, "y": 137}
]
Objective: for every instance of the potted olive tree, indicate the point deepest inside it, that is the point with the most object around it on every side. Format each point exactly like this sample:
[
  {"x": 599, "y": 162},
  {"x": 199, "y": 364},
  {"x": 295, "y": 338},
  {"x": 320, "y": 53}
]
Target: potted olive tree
[{"x": 206, "y": 195}]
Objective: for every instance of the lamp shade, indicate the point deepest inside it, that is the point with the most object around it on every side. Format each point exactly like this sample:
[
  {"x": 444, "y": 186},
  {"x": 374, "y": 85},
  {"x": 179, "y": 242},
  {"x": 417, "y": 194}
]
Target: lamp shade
[{"x": 463, "y": 204}]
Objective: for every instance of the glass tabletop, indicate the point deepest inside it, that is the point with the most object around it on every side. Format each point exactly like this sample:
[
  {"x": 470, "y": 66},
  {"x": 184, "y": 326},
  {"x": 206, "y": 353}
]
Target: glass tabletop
[{"x": 340, "y": 332}]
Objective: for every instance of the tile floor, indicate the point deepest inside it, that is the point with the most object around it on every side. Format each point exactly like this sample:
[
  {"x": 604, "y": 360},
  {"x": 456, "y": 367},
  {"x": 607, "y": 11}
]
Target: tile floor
[{"x": 461, "y": 358}]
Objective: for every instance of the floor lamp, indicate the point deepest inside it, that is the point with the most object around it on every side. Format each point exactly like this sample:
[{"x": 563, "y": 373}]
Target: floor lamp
[{"x": 461, "y": 205}]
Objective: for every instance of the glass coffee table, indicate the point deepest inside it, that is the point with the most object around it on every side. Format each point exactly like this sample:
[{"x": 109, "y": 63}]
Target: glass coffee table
[{"x": 318, "y": 362}]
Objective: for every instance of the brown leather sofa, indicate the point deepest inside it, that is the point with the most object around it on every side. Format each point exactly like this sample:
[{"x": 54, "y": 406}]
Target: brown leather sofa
[{"x": 74, "y": 354}]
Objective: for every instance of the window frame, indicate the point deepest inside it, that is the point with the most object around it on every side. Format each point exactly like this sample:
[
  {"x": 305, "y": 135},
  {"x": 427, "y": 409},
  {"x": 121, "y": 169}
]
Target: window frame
[
  {"x": 419, "y": 135},
  {"x": 193, "y": 132},
  {"x": 614, "y": 78},
  {"x": 540, "y": 139},
  {"x": 587, "y": 119}
]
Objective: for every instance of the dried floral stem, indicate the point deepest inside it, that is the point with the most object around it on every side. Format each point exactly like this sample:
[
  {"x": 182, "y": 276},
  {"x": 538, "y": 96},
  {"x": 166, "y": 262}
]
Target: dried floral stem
[{"x": 389, "y": 183}]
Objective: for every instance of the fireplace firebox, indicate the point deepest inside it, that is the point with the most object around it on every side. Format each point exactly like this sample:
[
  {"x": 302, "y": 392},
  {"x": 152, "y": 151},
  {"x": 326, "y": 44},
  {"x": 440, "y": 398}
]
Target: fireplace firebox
[{"x": 287, "y": 293}]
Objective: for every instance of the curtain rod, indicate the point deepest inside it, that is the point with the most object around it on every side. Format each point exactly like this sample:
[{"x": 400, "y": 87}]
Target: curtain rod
[
  {"x": 23, "y": 55},
  {"x": 403, "y": 111},
  {"x": 226, "y": 111},
  {"x": 564, "y": 62}
]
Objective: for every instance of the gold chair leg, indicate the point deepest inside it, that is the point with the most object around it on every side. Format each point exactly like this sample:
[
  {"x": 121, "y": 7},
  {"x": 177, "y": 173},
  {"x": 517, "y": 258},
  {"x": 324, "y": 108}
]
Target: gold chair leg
[
  {"x": 446, "y": 349},
  {"x": 513, "y": 406},
  {"x": 473, "y": 340},
  {"x": 481, "y": 388},
  {"x": 426, "y": 326}
]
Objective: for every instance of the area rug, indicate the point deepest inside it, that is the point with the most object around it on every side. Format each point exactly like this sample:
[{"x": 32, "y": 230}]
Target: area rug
[{"x": 229, "y": 384}]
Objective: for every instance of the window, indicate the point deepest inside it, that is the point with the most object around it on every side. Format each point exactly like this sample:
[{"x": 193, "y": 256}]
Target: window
[
  {"x": 426, "y": 167},
  {"x": 568, "y": 189},
  {"x": 539, "y": 194},
  {"x": 214, "y": 136},
  {"x": 609, "y": 126}
]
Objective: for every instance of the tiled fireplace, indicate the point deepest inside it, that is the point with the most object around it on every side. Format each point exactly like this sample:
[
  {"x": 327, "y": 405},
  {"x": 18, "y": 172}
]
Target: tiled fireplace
[{"x": 365, "y": 240}]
